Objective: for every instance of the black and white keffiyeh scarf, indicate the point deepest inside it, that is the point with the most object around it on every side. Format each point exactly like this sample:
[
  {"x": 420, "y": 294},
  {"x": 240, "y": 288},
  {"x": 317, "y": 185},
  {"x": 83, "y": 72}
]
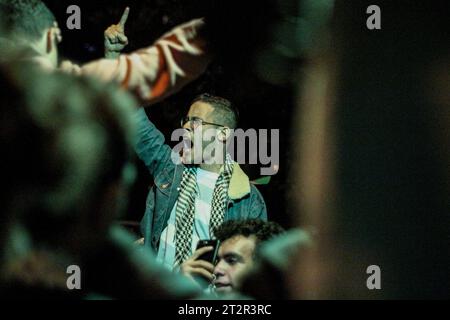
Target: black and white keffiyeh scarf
[{"x": 185, "y": 210}]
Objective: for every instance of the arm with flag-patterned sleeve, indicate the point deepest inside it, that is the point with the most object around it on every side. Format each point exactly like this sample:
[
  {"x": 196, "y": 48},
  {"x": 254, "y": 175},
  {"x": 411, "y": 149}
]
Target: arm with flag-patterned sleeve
[{"x": 155, "y": 72}]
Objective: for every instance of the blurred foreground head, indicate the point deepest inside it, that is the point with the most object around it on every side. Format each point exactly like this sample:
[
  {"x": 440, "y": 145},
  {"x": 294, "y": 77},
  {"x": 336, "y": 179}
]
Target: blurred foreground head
[{"x": 65, "y": 148}]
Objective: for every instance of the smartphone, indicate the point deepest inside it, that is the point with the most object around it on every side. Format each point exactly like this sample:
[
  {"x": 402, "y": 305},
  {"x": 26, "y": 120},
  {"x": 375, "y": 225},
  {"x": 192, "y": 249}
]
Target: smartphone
[{"x": 210, "y": 256}]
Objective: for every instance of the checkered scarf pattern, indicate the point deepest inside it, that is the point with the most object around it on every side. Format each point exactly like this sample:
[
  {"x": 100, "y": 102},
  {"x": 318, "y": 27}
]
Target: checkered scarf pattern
[{"x": 185, "y": 211}]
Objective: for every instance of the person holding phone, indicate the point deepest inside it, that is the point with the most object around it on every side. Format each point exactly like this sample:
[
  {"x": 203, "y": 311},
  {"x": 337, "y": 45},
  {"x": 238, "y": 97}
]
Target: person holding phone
[
  {"x": 188, "y": 202},
  {"x": 194, "y": 193},
  {"x": 238, "y": 242}
]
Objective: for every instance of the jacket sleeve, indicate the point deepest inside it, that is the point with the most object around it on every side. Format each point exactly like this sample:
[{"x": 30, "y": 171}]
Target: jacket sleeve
[
  {"x": 150, "y": 144},
  {"x": 153, "y": 73}
]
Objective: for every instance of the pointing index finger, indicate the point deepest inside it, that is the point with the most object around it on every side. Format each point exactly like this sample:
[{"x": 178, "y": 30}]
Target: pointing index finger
[{"x": 124, "y": 18}]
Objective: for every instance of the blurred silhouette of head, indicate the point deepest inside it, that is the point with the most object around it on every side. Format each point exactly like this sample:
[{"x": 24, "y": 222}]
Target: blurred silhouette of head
[{"x": 66, "y": 150}]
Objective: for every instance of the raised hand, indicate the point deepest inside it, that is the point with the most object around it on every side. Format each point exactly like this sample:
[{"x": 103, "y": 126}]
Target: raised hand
[{"x": 115, "y": 38}]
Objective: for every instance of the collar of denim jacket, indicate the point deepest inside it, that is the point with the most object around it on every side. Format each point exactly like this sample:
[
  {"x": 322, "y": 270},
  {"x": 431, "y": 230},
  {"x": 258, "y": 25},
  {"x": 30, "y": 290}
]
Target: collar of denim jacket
[{"x": 239, "y": 184}]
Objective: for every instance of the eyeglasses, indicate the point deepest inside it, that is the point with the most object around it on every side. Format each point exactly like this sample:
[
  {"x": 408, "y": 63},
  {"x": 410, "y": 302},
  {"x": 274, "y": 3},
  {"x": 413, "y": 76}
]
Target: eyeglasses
[{"x": 195, "y": 122}]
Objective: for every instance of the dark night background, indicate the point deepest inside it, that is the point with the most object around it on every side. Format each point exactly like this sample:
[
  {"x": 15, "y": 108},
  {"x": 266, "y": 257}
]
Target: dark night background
[{"x": 237, "y": 37}]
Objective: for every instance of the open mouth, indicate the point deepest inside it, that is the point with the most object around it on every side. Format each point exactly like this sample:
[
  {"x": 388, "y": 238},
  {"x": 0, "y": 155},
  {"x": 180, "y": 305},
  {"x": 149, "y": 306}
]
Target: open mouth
[{"x": 186, "y": 151}]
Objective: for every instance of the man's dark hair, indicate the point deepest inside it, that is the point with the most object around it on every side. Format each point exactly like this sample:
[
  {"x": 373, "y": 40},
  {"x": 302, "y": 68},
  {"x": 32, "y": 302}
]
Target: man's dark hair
[
  {"x": 224, "y": 111},
  {"x": 25, "y": 18},
  {"x": 262, "y": 230}
]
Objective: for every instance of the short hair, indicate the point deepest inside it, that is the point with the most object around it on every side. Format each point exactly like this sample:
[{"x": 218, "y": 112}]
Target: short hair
[
  {"x": 261, "y": 230},
  {"x": 25, "y": 18},
  {"x": 224, "y": 111}
]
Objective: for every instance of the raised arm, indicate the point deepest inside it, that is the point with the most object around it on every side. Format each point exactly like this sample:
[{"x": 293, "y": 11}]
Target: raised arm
[
  {"x": 150, "y": 144},
  {"x": 155, "y": 72}
]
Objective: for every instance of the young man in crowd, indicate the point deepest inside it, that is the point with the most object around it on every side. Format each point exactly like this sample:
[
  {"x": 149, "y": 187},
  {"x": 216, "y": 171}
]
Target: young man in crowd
[
  {"x": 194, "y": 196},
  {"x": 200, "y": 197},
  {"x": 239, "y": 245},
  {"x": 191, "y": 199}
]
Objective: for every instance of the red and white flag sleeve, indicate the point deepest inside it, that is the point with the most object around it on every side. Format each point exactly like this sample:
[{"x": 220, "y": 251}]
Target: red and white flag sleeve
[{"x": 153, "y": 73}]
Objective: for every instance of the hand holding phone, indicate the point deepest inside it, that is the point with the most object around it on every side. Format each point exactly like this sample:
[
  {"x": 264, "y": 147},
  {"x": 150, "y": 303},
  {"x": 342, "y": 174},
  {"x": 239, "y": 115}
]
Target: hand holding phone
[
  {"x": 210, "y": 256},
  {"x": 200, "y": 266}
]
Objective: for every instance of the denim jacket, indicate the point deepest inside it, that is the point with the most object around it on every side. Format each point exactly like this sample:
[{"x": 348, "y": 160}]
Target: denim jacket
[{"x": 245, "y": 201}]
